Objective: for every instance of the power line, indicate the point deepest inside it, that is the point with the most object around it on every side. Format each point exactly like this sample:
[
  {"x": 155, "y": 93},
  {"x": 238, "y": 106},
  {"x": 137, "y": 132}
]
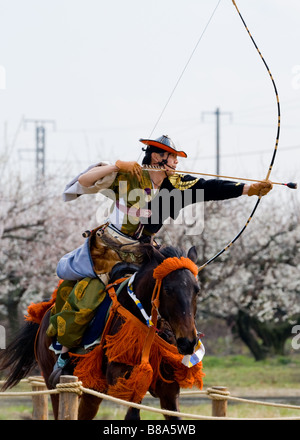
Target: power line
[
  {"x": 217, "y": 113},
  {"x": 246, "y": 153}
]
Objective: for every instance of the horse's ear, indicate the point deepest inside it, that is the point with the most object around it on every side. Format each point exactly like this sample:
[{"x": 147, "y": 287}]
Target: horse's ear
[{"x": 192, "y": 254}]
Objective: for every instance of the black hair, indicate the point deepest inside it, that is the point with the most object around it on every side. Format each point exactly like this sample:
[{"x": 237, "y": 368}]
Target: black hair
[{"x": 148, "y": 151}]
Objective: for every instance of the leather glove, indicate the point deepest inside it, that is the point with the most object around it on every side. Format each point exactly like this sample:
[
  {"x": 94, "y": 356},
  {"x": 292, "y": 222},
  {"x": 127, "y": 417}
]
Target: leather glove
[
  {"x": 130, "y": 167},
  {"x": 260, "y": 188}
]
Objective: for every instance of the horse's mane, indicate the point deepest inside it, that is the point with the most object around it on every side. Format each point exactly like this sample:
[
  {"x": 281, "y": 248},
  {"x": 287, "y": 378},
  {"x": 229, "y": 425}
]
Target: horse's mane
[
  {"x": 121, "y": 270},
  {"x": 150, "y": 257},
  {"x": 154, "y": 256},
  {"x": 171, "y": 251}
]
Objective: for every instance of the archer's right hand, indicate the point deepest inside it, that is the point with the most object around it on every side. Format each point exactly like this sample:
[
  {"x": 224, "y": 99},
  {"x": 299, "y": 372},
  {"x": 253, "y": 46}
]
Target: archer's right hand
[{"x": 130, "y": 167}]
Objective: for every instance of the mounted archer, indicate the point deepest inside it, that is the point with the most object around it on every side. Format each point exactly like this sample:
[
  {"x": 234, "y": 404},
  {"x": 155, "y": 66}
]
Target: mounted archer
[{"x": 133, "y": 220}]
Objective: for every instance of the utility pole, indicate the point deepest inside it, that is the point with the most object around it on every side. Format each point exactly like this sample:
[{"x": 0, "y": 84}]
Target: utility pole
[
  {"x": 217, "y": 113},
  {"x": 40, "y": 144}
]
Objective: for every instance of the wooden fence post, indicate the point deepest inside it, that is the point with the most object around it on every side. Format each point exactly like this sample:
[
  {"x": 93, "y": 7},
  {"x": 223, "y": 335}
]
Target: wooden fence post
[
  {"x": 39, "y": 401},
  {"x": 219, "y": 406},
  {"x": 68, "y": 400}
]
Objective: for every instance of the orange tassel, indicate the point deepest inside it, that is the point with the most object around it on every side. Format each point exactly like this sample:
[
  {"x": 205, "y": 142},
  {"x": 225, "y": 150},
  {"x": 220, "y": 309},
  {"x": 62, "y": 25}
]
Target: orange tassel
[
  {"x": 89, "y": 369},
  {"x": 136, "y": 386},
  {"x": 126, "y": 347},
  {"x": 37, "y": 311}
]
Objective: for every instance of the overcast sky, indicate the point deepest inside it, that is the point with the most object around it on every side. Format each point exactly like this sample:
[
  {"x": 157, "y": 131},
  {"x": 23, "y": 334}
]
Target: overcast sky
[{"x": 104, "y": 70}]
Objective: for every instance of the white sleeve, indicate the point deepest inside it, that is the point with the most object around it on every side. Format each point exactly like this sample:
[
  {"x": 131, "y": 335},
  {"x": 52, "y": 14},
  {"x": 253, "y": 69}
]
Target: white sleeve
[{"x": 73, "y": 189}]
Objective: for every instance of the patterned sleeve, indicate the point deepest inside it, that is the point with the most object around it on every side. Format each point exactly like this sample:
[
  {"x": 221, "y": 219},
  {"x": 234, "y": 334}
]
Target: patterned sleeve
[
  {"x": 214, "y": 189},
  {"x": 190, "y": 190}
]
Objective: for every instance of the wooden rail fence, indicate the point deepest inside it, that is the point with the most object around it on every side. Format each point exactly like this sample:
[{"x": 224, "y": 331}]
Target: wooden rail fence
[{"x": 70, "y": 389}]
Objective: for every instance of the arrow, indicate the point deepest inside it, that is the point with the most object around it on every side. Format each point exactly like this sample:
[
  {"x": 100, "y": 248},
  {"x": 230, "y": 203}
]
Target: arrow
[{"x": 291, "y": 185}]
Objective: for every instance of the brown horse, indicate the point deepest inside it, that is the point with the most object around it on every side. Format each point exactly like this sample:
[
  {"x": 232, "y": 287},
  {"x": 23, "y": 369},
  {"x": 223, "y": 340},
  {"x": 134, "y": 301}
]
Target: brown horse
[{"x": 176, "y": 325}]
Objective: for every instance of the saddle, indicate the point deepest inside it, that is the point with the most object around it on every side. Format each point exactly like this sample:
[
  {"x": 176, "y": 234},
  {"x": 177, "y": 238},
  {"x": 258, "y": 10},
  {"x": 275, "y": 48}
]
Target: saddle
[{"x": 108, "y": 246}]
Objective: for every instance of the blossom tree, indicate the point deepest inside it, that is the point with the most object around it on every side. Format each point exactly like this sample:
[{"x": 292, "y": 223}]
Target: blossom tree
[
  {"x": 254, "y": 286},
  {"x": 36, "y": 229}
]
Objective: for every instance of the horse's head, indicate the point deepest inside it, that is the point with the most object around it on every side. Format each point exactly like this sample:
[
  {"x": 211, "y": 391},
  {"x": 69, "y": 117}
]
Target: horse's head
[{"x": 178, "y": 298}]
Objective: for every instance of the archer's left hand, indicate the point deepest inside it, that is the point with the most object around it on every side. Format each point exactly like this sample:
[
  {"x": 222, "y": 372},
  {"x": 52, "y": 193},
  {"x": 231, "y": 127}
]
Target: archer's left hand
[{"x": 260, "y": 188}]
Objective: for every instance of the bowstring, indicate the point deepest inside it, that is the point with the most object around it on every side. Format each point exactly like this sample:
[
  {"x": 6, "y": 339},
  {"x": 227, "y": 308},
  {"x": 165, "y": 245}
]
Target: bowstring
[
  {"x": 184, "y": 69},
  {"x": 182, "y": 72},
  {"x": 274, "y": 151}
]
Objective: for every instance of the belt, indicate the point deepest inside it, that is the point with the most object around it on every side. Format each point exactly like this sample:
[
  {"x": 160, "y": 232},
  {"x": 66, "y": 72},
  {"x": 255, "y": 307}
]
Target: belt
[{"x": 112, "y": 229}]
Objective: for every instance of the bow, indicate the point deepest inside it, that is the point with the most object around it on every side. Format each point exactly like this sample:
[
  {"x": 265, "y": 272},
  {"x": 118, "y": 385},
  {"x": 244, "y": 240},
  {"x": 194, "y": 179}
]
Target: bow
[{"x": 273, "y": 156}]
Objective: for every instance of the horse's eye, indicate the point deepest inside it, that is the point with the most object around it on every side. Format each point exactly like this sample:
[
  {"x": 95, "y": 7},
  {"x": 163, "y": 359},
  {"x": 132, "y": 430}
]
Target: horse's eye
[{"x": 197, "y": 290}]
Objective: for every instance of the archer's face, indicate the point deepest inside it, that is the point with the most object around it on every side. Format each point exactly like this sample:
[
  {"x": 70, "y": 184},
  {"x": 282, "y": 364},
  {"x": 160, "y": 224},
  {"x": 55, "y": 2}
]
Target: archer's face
[
  {"x": 171, "y": 164},
  {"x": 171, "y": 159}
]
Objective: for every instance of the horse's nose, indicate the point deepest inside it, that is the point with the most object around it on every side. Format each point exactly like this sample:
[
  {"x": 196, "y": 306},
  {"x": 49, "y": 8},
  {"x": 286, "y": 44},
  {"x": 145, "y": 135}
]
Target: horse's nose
[{"x": 185, "y": 346}]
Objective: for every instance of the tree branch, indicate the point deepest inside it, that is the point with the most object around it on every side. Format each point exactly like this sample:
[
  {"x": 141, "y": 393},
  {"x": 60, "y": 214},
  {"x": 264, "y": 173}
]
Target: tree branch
[{"x": 24, "y": 226}]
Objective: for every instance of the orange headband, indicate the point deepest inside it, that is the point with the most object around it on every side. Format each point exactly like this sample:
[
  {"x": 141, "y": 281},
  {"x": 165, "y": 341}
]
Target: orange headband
[{"x": 174, "y": 263}]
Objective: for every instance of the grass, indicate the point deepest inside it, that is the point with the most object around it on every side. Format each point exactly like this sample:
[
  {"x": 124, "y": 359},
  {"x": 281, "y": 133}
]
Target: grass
[
  {"x": 273, "y": 378},
  {"x": 244, "y": 373}
]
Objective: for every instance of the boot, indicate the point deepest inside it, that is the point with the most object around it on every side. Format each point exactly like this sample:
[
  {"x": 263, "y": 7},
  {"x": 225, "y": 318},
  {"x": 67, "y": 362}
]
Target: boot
[{"x": 62, "y": 366}]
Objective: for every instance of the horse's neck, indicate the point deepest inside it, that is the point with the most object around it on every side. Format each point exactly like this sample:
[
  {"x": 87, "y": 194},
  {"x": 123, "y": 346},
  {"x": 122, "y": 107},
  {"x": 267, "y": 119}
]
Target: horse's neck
[{"x": 143, "y": 286}]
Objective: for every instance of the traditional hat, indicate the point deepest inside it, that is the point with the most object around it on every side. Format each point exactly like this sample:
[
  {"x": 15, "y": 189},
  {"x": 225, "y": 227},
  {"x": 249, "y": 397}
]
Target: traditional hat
[{"x": 164, "y": 143}]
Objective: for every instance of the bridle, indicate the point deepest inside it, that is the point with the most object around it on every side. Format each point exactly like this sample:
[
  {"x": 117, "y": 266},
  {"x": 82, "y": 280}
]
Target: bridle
[{"x": 159, "y": 273}]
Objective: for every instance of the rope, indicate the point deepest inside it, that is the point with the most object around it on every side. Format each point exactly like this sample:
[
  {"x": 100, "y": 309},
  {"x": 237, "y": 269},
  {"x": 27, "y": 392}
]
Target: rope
[
  {"x": 36, "y": 381},
  {"x": 215, "y": 394},
  {"x": 148, "y": 408},
  {"x": 27, "y": 393},
  {"x": 258, "y": 402},
  {"x": 212, "y": 393},
  {"x": 71, "y": 387},
  {"x": 180, "y": 414}
]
